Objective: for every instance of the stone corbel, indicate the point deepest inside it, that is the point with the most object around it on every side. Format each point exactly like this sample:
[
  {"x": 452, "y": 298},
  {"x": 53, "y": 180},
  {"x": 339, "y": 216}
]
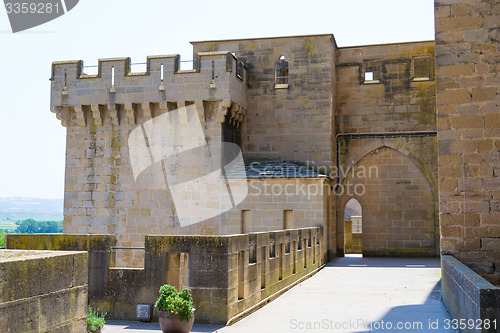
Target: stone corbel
[
  {"x": 200, "y": 109},
  {"x": 163, "y": 105},
  {"x": 113, "y": 114},
  {"x": 62, "y": 115},
  {"x": 80, "y": 116},
  {"x": 129, "y": 113},
  {"x": 146, "y": 111},
  {"x": 236, "y": 113},
  {"x": 96, "y": 114}
]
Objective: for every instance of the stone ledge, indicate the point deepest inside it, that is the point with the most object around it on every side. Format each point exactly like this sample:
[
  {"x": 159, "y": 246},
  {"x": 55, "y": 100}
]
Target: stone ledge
[{"x": 467, "y": 295}]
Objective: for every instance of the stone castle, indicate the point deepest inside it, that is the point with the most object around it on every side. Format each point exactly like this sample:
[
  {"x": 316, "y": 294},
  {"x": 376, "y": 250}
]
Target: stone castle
[
  {"x": 356, "y": 122},
  {"x": 411, "y": 131}
]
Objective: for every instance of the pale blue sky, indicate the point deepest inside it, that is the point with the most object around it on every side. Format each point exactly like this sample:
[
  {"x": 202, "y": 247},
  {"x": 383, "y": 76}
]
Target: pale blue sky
[{"x": 32, "y": 140}]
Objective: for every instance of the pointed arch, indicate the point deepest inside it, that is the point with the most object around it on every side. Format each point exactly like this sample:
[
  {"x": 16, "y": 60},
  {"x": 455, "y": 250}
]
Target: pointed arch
[
  {"x": 367, "y": 149},
  {"x": 399, "y": 208}
]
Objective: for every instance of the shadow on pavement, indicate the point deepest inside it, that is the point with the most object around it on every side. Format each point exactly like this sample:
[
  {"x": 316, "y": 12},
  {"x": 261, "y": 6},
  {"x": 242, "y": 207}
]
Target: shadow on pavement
[
  {"x": 359, "y": 261},
  {"x": 415, "y": 317},
  {"x": 116, "y": 326}
]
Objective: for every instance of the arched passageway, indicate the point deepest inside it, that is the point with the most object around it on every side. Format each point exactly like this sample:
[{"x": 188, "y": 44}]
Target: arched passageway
[{"x": 399, "y": 217}]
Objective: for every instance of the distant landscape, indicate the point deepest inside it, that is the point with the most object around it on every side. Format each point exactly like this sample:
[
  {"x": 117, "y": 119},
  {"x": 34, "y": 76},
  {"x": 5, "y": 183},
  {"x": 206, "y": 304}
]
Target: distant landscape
[{"x": 37, "y": 214}]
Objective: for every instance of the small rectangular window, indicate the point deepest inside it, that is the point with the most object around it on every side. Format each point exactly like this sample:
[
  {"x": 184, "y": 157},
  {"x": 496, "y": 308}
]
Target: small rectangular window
[
  {"x": 371, "y": 71},
  {"x": 421, "y": 68}
]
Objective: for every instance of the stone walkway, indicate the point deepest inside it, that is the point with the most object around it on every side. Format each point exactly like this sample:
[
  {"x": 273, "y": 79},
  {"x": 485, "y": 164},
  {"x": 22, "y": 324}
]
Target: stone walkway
[{"x": 351, "y": 294}]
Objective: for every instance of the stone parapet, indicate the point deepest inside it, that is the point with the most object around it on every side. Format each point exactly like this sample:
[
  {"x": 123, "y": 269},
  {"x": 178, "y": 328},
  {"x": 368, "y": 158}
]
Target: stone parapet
[
  {"x": 469, "y": 297},
  {"x": 119, "y": 96},
  {"x": 229, "y": 275},
  {"x": 43, "y": 291}
]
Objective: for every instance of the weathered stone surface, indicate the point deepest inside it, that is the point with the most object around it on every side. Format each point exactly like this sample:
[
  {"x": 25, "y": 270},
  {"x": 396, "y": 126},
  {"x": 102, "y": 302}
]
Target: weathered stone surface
[
  {"x": 468, "y": 296},
  {"x": 467, "y": 108},
  {"x": 43, "y": 291},
  {"x": 228, "y": 274}
]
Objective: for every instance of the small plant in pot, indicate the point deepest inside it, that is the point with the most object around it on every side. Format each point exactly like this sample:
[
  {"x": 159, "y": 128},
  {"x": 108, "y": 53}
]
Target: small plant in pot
[{"x": 176, "y": 309}]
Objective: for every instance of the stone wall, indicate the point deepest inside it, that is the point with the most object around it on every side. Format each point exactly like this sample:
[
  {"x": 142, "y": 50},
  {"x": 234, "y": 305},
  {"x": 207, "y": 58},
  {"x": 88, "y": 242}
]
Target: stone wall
[
  {"x": 100, "y": 256},
  {"x": 43, "y": 291},
  {"x": 284, "y": 203},
  {"x": 294, "y": 123},
  {"x": 467, "y": 55},
  {"x": 399, "y": 98},
  {"x": 469, "y": 297},
  {"x": 232, "y": 274},
  {"x": 352, "y": 241},
  {"x": 227, "y": 274},
  {"x": 103, "y": 194}
]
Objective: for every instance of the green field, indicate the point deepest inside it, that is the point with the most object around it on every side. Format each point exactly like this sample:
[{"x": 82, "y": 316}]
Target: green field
[{"x": 7, "y": 227}]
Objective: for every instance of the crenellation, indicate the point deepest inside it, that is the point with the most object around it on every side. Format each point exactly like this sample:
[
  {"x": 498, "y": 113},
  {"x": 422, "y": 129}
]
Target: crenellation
[{"x": 115, "y": 91}]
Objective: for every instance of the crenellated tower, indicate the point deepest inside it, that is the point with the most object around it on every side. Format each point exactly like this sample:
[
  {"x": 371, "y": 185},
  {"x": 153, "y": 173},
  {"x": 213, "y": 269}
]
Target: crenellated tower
[{"x": 100, "y": 111}]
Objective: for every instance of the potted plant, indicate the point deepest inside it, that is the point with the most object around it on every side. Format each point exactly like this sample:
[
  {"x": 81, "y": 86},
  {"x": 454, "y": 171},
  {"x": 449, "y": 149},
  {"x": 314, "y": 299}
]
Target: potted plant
[
  {"x": 95, "y": 321},
  {"x": 176, "y": 309}
]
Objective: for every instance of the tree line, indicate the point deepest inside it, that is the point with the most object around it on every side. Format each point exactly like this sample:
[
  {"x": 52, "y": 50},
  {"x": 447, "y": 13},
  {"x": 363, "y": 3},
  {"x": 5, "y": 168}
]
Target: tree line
[{"x": 30, "y": 226}]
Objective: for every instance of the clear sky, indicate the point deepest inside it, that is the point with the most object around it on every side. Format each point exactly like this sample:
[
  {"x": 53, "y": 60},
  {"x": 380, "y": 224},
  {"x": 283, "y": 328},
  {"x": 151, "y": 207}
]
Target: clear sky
[{"x": 32, "y": 140}]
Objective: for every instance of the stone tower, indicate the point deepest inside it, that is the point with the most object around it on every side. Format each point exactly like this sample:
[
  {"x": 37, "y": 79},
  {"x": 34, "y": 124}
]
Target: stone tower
[{"x": 100, "y": 111}]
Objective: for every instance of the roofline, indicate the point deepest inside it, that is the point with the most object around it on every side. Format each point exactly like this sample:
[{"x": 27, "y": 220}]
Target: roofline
[
  {"x": 312, "y": 35},
  {"x": 386, "y": 44},
  {"x": 277, "y": 37}
]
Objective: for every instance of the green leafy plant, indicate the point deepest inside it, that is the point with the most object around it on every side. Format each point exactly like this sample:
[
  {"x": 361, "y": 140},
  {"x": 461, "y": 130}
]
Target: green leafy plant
[
  {"x": 95, "y": 320},
  {"x": 177, "y": 303},
  {"x": 2, "y": 238}
]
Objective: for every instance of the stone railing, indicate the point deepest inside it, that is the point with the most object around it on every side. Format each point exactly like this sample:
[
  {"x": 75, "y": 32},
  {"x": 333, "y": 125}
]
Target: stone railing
[{"x": 229, "y": 275}]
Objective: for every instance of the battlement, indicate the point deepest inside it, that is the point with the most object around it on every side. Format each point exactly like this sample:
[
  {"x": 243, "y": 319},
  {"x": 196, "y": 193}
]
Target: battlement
[{"x": 217, "y": 76}]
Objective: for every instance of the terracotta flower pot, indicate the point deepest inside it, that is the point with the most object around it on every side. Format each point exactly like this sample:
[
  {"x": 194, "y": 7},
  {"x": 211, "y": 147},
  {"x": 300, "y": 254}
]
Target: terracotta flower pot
[{"x": 174, "y": 324}]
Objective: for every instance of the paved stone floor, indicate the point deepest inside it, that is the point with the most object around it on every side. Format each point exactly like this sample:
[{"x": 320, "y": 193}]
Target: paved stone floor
[{"x": 352, "y": 294}]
